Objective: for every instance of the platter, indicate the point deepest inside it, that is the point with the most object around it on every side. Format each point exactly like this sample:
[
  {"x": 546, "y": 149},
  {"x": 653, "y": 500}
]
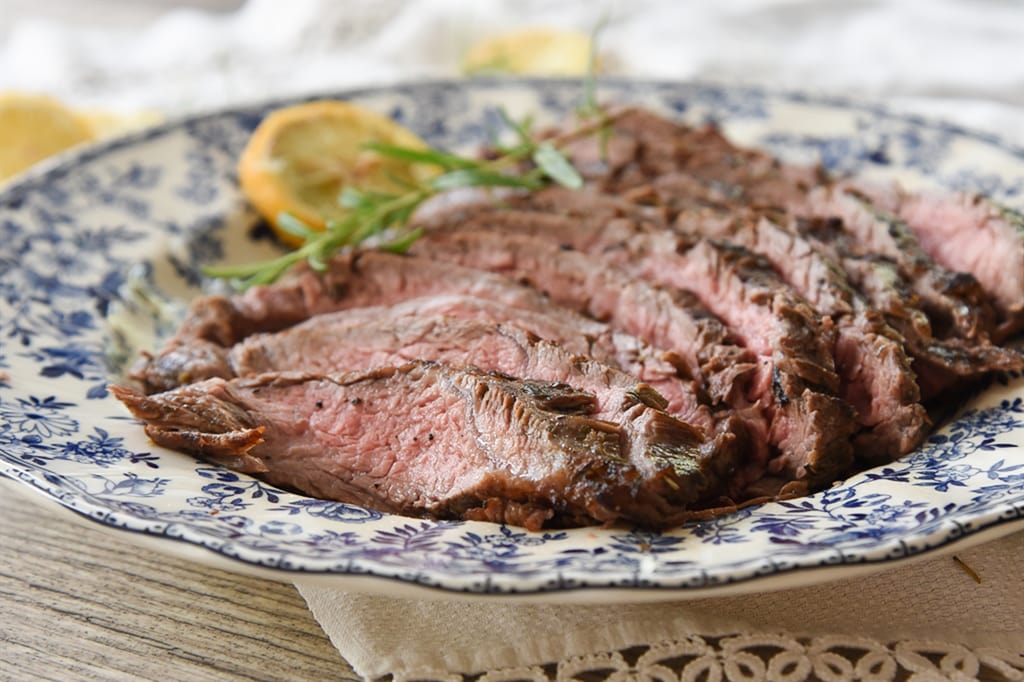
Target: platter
[{"x": 101, "y": 250}]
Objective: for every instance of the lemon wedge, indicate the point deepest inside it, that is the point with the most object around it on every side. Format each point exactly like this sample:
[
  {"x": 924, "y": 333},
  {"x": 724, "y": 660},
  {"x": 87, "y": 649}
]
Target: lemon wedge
[
  {"x": 300, "y": 158},
  {"x": 536, "y": 51},
  {"x": 33, "y": 127}
]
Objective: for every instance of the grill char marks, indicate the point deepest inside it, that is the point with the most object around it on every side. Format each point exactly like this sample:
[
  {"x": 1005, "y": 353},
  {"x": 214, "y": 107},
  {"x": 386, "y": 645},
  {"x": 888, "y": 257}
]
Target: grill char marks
[
  {"x": 955, "y": 302},
  {"x": 938, "y": 362},
  {"x": 430, "y": 439},
  {"x": 968, "y": 233},
  {"x": 874, "y": 369}
]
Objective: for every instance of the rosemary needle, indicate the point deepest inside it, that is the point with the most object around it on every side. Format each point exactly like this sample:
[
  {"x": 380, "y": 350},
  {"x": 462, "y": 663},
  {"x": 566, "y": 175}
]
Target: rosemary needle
[{"x": 967, "y": 569}]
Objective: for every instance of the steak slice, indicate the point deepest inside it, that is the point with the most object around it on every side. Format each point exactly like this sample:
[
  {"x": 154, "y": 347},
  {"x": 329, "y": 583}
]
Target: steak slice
[
  {"x": 365, "y": 278},
  {"x": 430, "y": 439},
  {"x": 953, "y": 232},
  {"x": 875, "y": 372},
  {"x": 587, "y": 205},
  {"x": 881, "y": 283},
  {"x": 968, "y": 233},
  {"x": 574, "y": 335},
  {"x": 332, "y": 343},
  {"x": 810, "y": 426},
  {"x": 329, "y": 343},
  {"x": 666, "y": 148},
  {"x": 359, "y": 279},
  {"x": 717, "y": 171},
  {"x": 181, "y": 360}
]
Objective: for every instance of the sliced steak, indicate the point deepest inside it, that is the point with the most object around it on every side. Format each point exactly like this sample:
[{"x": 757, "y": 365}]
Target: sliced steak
[
  {"x": 430, "y": 439},
  {"x": 877, "y": 378},
  {"x": 573, "y": 332},
  {"x": 586, "y": 205},
  {"x": 574, "y": 335},
  {"x": 668, "y": 320},
  {"x": 955, "y": 302},
  {"x": 677, "y": 324},
  {"x": 356, "y": 280},
  {"x": 591, "y": 208},
  {"x": 362, "y": 279},
  {"x": 181, "y": 360},
  {"x": 682, "y": 191},
  {"x": 330, "y": 343},
  {"x": 665, "y": 148},
  {"x": 810, "y": 426},
  {"x": 880, "y": 282},
  {"x": 796, "y": 377},
  {"x": 875, "y": 371},
  {"x": 938, "y": 362},
  {"x": 700, "y": 165},
  {"x": 334, "y": 343},
  {"x": 634, "y": 158}
]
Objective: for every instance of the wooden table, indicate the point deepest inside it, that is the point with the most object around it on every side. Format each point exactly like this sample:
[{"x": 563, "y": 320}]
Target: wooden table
[{"x": 80, "y": 603}]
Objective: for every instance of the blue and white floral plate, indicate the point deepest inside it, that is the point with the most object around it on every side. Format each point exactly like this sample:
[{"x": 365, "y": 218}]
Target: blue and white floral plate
[{"x": 100, "y": 250}]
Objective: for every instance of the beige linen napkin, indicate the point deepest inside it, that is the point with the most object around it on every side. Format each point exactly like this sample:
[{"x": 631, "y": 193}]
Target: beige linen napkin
[{"x": 929, "y": 617}]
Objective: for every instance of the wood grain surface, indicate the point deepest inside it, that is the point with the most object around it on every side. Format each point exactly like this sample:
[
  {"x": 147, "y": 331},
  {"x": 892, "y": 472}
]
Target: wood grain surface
[{"x": 78, "y": 603}]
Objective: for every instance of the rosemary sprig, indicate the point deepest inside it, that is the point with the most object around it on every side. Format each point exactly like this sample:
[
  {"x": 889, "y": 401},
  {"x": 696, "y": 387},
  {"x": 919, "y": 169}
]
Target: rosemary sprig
[{"x": 371, "y": 214}]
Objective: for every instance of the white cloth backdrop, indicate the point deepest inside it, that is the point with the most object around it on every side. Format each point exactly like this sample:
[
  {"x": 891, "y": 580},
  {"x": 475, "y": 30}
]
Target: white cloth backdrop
[{"x": 958, "y": 60}]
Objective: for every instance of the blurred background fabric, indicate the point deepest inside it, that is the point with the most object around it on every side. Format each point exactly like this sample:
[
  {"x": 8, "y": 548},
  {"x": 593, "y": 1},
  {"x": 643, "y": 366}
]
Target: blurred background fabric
[{"x": 959, "y": 60}]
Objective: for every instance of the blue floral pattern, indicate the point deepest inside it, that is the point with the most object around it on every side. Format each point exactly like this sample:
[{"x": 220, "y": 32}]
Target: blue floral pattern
[{"x": 83, "y": 238}]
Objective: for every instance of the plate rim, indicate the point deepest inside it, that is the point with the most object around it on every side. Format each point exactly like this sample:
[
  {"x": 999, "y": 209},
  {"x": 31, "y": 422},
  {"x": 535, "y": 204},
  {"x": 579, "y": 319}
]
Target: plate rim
[{"x": 585, "y": 594}]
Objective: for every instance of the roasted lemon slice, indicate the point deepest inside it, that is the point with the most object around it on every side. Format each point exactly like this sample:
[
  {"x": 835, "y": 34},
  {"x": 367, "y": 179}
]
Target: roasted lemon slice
[
  {"x": 301, "y": 157},
  {"x": 541, "y": 52},
  {"x": 33, "y": 127}
]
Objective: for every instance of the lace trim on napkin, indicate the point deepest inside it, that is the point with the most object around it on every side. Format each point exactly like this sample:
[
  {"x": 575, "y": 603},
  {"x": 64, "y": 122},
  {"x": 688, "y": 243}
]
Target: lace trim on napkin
[{"x": 770, "y": 657}]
